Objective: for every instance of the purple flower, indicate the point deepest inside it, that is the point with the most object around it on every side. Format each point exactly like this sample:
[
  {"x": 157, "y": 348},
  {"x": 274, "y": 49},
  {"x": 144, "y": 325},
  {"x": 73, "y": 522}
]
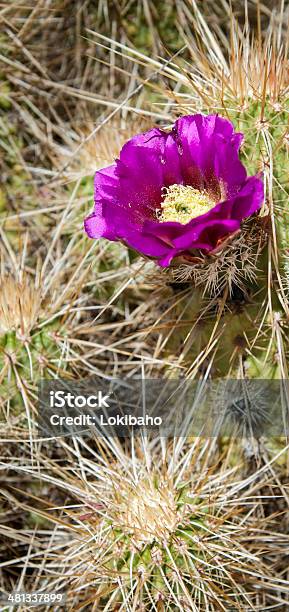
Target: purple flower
[{"x": 172, "y": 194}]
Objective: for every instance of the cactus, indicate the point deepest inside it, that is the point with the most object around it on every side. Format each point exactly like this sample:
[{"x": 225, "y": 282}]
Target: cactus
[
  {"x": 235, "y": 314},
  {"x": 151, "y": 529},
  {"x": 29, "y": 349},
  {"x": 40, "y": 314},
  {"x": 141, "y": 524}
]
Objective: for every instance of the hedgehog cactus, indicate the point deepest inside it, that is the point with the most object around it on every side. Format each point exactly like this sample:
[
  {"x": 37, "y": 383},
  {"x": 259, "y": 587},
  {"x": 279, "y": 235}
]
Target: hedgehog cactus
[
  {"x": 168, "y": 541},
  {"x": 28, "y": 343},
  {"x": 250, "y": 87},
  {"x": 146, "y": 532},
  {"x": 184, "y": 199},
  {"x": 37, "y": 320}
]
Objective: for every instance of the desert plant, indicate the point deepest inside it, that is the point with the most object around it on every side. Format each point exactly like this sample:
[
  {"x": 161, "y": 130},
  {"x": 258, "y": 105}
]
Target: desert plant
[
  {"x": 153, "y": 527},
  {"x": 233, "y": 318}
]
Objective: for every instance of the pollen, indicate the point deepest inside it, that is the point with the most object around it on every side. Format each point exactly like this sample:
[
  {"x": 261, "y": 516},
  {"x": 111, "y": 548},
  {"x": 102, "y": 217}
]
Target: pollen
[{"x": 182, "y": 203}]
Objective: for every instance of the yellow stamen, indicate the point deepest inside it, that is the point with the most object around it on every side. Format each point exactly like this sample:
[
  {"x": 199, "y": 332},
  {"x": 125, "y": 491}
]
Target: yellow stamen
[{"x": 182, "y": 203}]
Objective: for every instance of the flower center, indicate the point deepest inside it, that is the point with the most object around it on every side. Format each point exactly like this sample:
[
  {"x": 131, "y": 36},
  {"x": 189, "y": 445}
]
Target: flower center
[{"x": 182, "y": 203}]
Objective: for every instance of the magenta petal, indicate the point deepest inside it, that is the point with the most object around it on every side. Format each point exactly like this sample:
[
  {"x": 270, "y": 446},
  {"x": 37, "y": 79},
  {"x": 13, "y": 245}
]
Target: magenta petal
[
  {"x": 96, "y": 227},
  {"x": 140, "y": 173},
  {"x": 150, "y": 246},
  {"x": 249, "y": 198},
  {"x": 209, "y": 151},
  {"x": 208, "y": 231},
  {"x": 105, "y": 184},
  {"x": 171, "y": 164},
  {"x": 153, "y": 139},
  {"x": 134, "y": 192},
  {"x": 165, "y": 261},
  {"x": 105, "y": 190}
]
